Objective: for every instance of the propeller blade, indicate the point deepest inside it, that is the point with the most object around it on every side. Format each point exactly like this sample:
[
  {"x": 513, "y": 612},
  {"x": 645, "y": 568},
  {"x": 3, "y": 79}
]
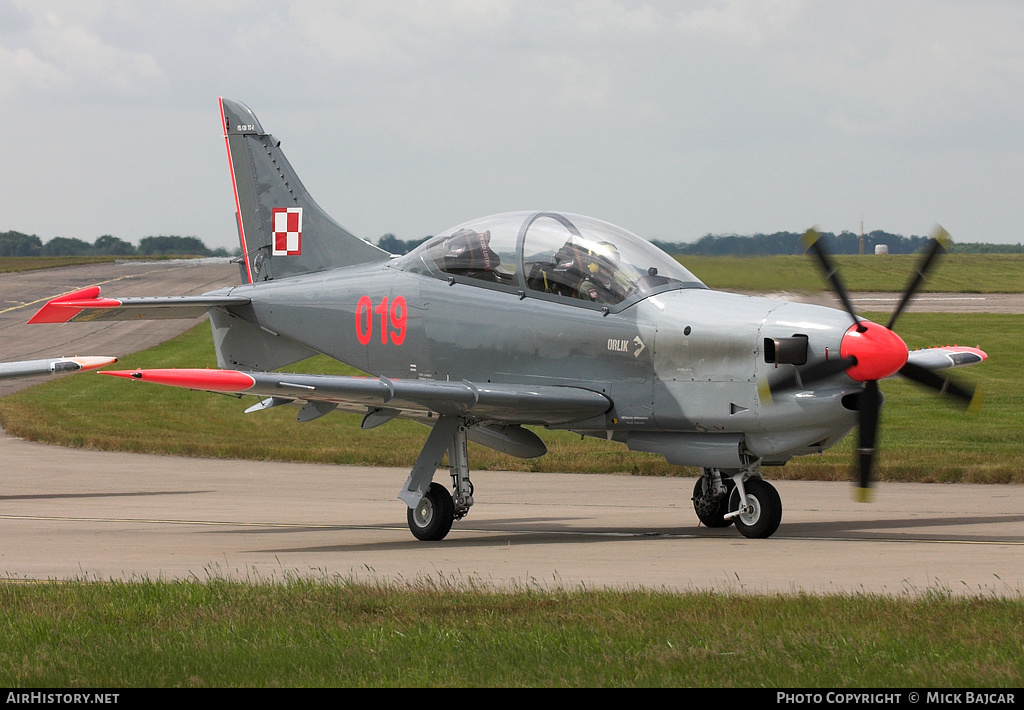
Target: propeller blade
[
  {"x": 869, "y": 408},
  {"x": 967, "y": 394},
  {"x": 808, "y": 376},
  {"x": 812, "y": 242},
  {"x": 939, "y": 242}
]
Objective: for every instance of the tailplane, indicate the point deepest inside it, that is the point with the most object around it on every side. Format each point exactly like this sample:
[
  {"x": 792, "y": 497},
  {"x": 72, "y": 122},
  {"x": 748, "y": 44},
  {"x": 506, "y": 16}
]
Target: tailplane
[{"x": 282, "y": 231}]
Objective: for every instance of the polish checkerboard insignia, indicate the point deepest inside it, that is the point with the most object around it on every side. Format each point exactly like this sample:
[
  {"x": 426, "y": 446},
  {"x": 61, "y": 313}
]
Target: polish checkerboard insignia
[{"x": 287, "y": 223}]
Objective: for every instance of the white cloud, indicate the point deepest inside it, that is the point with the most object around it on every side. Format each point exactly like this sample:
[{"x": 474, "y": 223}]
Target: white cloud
[
  {"x": 671, "y": 117},
  {"x": 60, "y": 52}
]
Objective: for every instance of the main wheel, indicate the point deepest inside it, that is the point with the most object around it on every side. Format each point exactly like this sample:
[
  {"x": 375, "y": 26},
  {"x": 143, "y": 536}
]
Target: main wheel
[
  {"x": 765, "y": 512},
  {"x": 713, "y": 515},
  {"x": 432, "y": 518}
]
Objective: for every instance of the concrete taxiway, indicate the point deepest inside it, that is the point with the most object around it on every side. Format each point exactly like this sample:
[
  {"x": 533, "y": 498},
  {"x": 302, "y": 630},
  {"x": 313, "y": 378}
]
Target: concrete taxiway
[
  {"x": 70, "y": 514},
  {"x": 75, "y": 514}
]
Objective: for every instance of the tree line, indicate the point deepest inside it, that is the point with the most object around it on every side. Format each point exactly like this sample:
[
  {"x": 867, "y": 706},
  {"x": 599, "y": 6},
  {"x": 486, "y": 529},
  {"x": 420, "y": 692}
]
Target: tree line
[
  {"x": 780, "y": 243},
  {"x": 776, "y": 244},
  {"x": 19, "y": 244}
]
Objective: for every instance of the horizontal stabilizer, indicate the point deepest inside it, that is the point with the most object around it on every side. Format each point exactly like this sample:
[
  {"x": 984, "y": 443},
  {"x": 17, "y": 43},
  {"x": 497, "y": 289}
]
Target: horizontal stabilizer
[
  {"x": 501, "y": 403},
  {"x": 86, "y": 305}
]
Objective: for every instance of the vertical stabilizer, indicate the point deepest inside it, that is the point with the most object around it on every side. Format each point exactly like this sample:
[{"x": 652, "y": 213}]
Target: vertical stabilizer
[{"x": 282, "y": 231}]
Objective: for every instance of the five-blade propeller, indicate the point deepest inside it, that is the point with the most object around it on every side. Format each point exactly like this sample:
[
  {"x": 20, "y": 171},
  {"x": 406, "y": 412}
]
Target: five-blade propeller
[{"x": 871, "y": 352}]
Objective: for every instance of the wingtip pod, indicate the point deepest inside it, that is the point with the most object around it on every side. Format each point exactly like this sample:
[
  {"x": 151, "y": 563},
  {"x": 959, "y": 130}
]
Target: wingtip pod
[
  {"x": 93, "y": 362},
  {"x": 52, "y": 366},
  {"x": 191, "y": 378},
  {"x": 978, "y": 353}
]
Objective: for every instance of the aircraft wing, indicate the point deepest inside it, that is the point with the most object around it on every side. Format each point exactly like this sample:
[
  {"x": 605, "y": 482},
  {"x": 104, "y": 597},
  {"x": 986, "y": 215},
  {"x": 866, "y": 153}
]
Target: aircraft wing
[
  {"x": 86, "y": 305},
  {"x": 51, "y": 366},
  {"x": 945, "y": 357},
  {"x": 506, "y": 404}
]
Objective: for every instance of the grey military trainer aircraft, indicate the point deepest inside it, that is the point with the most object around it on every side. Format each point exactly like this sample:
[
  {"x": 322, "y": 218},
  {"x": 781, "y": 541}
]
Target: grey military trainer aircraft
[{"x": 541, "y": 319}]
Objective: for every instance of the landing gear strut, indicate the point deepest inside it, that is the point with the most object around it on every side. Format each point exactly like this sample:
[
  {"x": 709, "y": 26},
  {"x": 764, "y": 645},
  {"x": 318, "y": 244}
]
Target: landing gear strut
[
  {"x": 711, "y": 498},
  {"x": 432, "y": 509}
]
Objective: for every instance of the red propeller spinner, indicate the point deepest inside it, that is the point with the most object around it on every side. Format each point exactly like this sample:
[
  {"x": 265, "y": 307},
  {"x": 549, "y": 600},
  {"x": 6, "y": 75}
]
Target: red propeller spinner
[{"x": 879, "y": 351}]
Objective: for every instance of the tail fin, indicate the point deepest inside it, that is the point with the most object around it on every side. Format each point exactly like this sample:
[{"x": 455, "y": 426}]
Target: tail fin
[{"x": 282, "y": 231}]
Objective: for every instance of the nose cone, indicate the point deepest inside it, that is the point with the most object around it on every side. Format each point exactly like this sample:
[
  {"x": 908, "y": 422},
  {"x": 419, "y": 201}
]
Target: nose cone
[{"x": 879, "y": 351}]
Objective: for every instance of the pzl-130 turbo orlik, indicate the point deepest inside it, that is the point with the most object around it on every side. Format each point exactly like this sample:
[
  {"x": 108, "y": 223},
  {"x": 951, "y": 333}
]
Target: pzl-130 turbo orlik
[{"x": 541, "y": 319}]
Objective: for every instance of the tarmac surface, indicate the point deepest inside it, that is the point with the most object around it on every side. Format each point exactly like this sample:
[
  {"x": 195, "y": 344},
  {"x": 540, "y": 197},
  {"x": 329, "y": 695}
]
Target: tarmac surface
[{"x": 78, "y": 514}]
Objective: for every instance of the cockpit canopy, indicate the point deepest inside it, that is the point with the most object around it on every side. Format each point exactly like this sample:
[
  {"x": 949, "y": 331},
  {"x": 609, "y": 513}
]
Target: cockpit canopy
[{"x": 551, "y": 255}]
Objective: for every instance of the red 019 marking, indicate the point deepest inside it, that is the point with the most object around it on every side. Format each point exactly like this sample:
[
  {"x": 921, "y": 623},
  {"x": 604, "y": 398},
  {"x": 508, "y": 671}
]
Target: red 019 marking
[{"x": 396, "y": 315}]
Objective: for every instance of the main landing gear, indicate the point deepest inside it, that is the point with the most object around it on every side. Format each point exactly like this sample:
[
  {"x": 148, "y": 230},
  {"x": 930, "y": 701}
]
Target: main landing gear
[
  {"x": 432, "y": 509},
  {"x": 721, "y": 498}
]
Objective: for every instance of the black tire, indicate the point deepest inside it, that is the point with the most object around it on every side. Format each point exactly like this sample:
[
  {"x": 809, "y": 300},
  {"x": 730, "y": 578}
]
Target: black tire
[
  {"x": 432, "y": 518},
  {"x": 764, "y": 520},
  {"x": 714, "y": 518}
]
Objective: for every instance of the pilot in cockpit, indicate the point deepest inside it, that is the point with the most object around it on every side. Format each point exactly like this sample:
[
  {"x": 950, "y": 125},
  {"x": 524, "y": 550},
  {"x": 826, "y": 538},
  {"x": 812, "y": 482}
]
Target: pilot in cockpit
[
  {"x": 581, "y": 270},
  {"x": 469, "y": 253},
  {"x": 599, "y": 281}
]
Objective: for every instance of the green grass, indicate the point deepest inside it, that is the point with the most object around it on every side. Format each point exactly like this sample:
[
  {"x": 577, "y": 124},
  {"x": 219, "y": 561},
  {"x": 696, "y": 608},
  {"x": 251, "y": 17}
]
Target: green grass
[
  {"x": 922, "y": 437},
  {"x": 954, "y": 273},
  {"x": 217, "y": 633}
]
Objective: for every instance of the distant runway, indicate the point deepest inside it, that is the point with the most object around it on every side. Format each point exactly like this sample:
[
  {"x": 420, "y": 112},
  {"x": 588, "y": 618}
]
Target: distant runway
[
  {"x": 68, "y": 513},
  {"x": 922, "y": 303}
]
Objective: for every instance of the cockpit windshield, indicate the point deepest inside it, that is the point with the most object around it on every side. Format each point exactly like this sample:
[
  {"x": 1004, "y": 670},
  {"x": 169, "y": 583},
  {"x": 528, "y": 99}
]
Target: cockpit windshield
[{"x": 552, "y": 254}]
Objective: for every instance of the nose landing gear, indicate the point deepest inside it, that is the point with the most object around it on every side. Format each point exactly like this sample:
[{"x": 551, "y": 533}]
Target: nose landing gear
[{"x": 743, "y": 498}]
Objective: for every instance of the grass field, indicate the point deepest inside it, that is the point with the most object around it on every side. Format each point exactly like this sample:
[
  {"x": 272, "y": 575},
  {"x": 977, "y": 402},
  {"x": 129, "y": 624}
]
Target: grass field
[
  {"x": 216, "y": 633},
  {"x": 954, "y": 273}
]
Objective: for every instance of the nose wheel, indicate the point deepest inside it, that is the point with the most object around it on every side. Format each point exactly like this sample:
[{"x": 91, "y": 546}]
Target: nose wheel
[{"x": 757, "y": 514}]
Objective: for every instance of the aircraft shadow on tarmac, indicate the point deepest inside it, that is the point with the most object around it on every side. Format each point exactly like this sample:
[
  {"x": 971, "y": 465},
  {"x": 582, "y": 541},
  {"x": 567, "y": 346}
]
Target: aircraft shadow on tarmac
[
  {"x": 494, "y": 533},
  {"x": 888, "y": 528}
]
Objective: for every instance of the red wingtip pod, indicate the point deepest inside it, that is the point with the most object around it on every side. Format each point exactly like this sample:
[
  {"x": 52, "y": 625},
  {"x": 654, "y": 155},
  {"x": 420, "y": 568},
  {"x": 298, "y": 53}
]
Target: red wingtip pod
[
  {"x": 195, "y": 379},
  {"x": 64, "y": 308},
  {"x": 879, "y": 351},
  {"x": 976, "y": 352},
  {"x": 93, "y": 362}
]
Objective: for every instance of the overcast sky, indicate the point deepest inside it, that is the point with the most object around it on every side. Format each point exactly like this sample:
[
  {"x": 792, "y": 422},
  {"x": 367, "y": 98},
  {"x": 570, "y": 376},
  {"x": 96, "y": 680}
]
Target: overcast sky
[{"x": 671, "y": 119}]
